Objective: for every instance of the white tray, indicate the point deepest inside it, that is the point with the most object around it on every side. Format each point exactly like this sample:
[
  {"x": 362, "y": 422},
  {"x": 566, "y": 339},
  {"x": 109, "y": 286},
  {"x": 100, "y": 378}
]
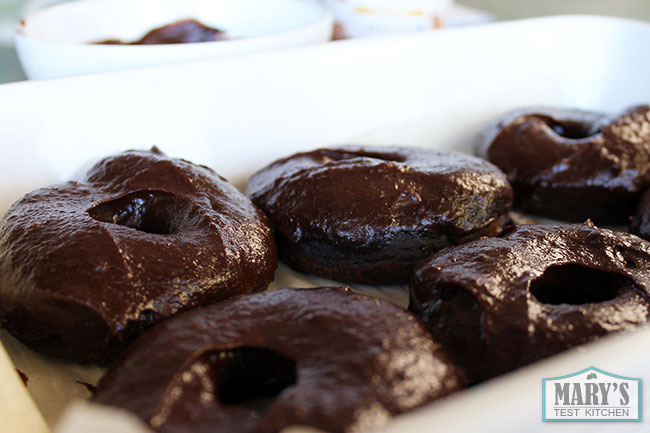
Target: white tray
[{"x": 435, "y": 89}]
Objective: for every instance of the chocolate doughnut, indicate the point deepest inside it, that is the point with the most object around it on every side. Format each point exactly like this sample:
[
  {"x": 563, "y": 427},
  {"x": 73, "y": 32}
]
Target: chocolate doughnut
[
  {"x": 573, "y": 165},
  {"x": 321, "y": 357},
  {"x": 368, "y": 215},
  {"x": 500, "y": 303},
  {"x": 86, "y": 266}
]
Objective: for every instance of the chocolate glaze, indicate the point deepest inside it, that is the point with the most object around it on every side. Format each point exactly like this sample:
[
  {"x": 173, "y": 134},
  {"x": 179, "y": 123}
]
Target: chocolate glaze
[
  {"x": 370, "y": 214},
  {"x": 573, "y": 165},
  {"x": 332, "y": 359},
  {"x": 640, "y": 224},
  {"x": 86, "y": 266},
  {"x": 500, "y": 303},
  {"x": 179, "y": 32}
]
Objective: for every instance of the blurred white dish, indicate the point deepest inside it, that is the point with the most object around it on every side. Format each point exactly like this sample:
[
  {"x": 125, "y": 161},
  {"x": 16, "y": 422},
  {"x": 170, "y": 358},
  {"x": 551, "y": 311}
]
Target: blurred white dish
[{"x": 57, "y": 41}]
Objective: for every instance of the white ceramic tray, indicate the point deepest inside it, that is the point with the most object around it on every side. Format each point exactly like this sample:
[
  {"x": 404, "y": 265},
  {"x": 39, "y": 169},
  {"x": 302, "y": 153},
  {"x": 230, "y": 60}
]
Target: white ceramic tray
[{"x": 434, "y": 90}]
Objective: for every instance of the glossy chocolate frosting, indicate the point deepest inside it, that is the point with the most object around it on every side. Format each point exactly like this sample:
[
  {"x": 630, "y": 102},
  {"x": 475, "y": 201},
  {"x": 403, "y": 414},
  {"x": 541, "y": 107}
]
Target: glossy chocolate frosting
[
  {"x": 321, "y": 357},
  {"x": 86, "y": 266},
  {"x": 573, "y": 165},
  {"x": 369, "y": 214},
  {"x": 500, "y": 303}
]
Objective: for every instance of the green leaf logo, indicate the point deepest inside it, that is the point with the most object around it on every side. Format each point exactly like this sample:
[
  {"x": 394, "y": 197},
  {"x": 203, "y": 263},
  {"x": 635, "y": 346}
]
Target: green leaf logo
[{"x": 591, "y": 376}]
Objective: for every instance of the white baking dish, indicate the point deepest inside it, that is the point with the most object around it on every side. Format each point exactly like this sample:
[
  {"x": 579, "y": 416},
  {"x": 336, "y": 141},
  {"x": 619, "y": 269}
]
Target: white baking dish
[{"x": 434, "y": 90}]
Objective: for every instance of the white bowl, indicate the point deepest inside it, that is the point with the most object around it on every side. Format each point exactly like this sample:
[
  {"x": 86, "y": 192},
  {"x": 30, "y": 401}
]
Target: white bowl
[{"x": 57, "y": 41}]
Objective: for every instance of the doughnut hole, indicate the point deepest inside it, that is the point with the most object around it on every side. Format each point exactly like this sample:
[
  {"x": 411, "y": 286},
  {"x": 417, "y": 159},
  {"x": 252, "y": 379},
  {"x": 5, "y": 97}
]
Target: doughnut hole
[
  {"x": 570, "y": 130},
  {"x": 577, "y": 285},
  {"x": 251, "y": 376},
  {"x": 155, "y": 212}
]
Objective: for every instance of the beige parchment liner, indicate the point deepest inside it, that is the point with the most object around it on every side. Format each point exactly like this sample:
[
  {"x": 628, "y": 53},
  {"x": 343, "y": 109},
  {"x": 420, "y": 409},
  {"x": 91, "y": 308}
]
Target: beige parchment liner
[{"x": 17, "y": 410}]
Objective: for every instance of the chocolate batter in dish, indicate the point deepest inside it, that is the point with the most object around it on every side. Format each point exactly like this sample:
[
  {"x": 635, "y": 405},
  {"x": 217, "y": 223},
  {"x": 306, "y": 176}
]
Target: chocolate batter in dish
[
  {"x": 87, "y": 266},
  {"x": 323, "y": 357},
  {"x": 179, "y": 32},
  {"x": 500, "y": 303},
  {"x": 369, "y": 214},
  {"x": 573, "y": 165}
]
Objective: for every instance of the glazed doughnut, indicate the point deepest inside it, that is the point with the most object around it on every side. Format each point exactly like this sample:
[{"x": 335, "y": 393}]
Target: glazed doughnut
[
  {"x": 321, "y": 357},
  {"x": 500, "y": 303},
  {"x": 368, "y": 215},
  {"x": 573, "y": 165},
  {"x": 86, "y": 266}
]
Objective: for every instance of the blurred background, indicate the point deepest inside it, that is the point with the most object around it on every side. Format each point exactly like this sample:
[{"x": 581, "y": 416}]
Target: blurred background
[
  {"x": 477, "y": 11},
  {"x": 514, "y": 9}
]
